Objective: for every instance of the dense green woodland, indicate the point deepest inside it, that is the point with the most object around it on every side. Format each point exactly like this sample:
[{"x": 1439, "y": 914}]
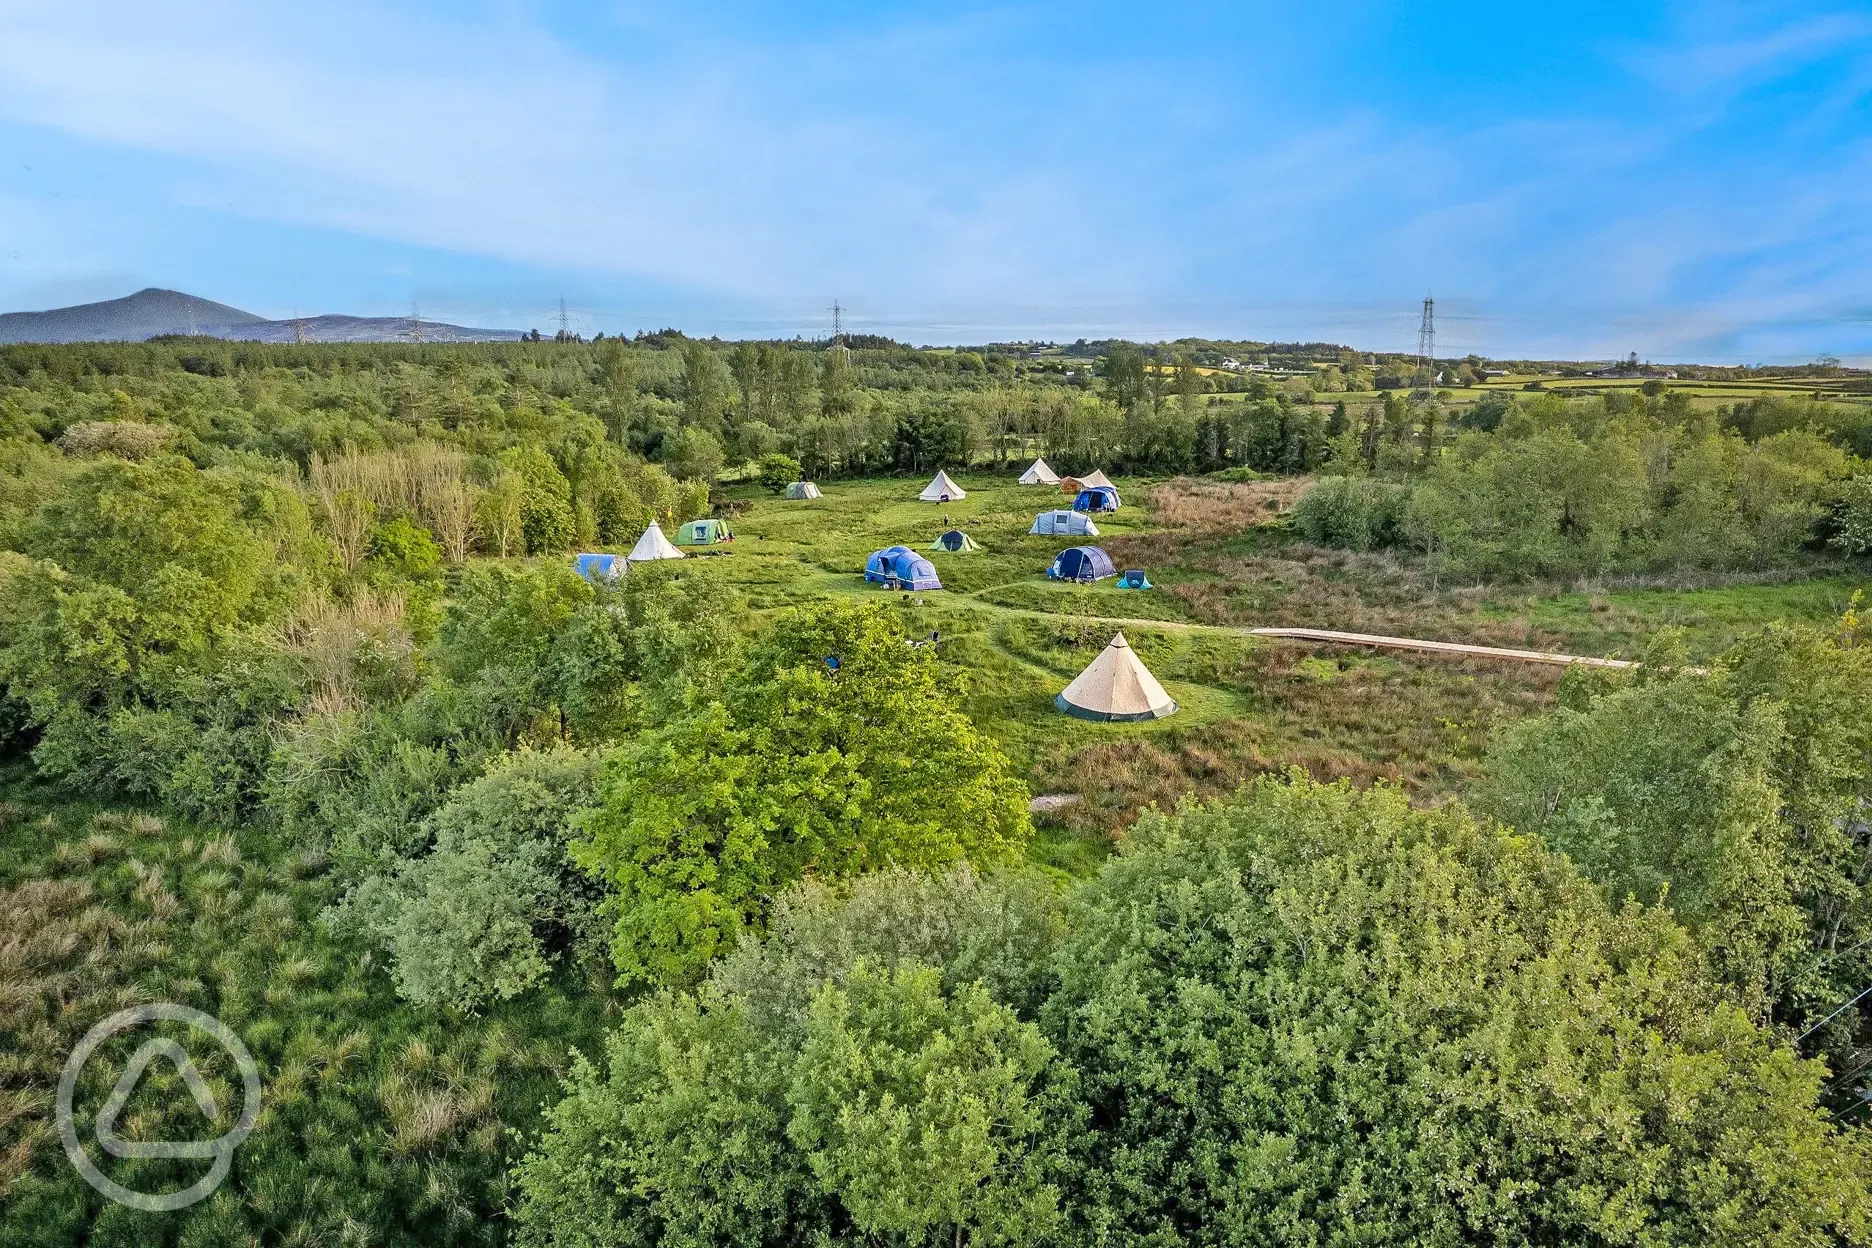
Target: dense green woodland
[{"x": 615, "y": 914}]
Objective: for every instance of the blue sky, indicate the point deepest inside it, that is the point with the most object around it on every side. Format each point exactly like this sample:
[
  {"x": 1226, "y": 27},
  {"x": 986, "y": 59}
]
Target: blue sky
[{"x": 1686, "y": 181}]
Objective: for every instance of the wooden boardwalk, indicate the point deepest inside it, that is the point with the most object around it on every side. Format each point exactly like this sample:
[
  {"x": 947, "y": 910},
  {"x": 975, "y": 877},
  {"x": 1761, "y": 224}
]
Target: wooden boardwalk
[{"x": 1438, "y": 647}]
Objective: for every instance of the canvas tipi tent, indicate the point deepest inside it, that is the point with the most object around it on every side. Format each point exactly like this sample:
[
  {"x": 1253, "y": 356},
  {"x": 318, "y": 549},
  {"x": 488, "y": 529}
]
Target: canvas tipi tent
[
  {"x": 1039, "y": 474},
  {"x": 1094, "y": 479},
  {"x": 1116, "y": 686},
  {"x": 652, "y": 545},
  {"x": 802, "y": 489},
  {"x": 942, "y": 490}
]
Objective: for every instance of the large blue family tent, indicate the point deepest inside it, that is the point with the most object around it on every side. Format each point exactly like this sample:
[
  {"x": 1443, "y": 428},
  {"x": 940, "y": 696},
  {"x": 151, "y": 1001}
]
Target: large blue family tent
[
  {"x": 899, "y": 567},
  {"x": 1082, "y": 563},
  {"x": 1096, "y": 499}
]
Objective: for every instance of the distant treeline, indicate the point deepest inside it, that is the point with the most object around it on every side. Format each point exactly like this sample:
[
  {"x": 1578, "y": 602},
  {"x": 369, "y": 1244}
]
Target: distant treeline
[
  {"x": 1621, "y": 483},
  {"x": 694, "y": 407}
]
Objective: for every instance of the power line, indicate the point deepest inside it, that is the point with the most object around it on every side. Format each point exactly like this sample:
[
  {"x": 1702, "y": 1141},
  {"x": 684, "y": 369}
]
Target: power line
[
  {"x": 1863, "y": 994},
  {"x": 416, "y": 326},
  {"x": 838, "y": 323},
  {"x": 563, "y": 335}
]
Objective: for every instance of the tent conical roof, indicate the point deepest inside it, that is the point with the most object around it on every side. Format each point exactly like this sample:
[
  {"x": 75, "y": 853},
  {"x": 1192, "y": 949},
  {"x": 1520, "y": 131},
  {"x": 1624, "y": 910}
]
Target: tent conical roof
[
  {"x": 1095, "y": 478},
  {"x": 653, "y": 545},
  {"x": 940, "y": 488},
  {"x": 1116, "y": 686},
  {"x": 1039, "y": 474}
]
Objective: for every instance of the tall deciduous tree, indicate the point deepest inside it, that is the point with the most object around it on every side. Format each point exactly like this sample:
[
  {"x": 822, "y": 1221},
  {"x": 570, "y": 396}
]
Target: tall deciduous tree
[
  {"x": 1737, "y": 797},
  {"x": 1320, "y": 1016},
  {"x": 838, "y": 749},
  {"x": 863, "y": 1075}
]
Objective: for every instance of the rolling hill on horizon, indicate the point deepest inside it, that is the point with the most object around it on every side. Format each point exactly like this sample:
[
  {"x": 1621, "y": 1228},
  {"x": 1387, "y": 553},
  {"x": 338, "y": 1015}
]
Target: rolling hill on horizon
[{"x": 154, "y": 312}]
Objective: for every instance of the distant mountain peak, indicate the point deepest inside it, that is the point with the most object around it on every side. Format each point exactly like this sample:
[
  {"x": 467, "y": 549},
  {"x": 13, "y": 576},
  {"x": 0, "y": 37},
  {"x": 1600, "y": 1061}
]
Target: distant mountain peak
[{"x": 155, "y": 310}]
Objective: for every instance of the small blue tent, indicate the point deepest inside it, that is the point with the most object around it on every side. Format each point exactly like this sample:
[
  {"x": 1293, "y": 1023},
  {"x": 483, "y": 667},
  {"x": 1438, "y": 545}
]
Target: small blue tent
[
  {"x": 595, "y": 568},
  {"x": 1082, "y": 563},
  {"x": 899, "y": 567},
  {"x": 1134, "y": 578},
  {"x": 1096, "y": 499}
]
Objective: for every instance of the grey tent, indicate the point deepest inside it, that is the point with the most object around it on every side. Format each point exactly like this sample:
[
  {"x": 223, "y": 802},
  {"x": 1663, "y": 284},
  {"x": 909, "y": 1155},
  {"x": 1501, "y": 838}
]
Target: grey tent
[
  {"x": 1064, "y": 523},
  {"x": 802, "y": 489},
  {"x": 1116, "y": 686}
]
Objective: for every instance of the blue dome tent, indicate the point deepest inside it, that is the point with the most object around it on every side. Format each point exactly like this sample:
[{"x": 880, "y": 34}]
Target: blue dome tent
[
  {"x": 1082, "y": 563},
  {"x": 1096, "y": 498},
  {"x": 1134, "y": 578},
  {"x": 899, "y": 567}
]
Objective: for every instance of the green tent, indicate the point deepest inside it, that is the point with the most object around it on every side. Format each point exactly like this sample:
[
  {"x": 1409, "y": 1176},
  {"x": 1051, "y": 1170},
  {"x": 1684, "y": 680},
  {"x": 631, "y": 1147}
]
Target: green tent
[
  {"x": 703, "y": 533},
  {"x": 956, "y": 542}
]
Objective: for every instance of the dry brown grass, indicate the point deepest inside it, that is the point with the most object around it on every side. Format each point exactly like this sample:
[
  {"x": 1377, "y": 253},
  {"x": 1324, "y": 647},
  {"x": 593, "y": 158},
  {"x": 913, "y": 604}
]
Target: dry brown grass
[
  {"x": 129, "y": 438},
  {"x": 1198, "y": 506},
  {"x": 426, "y": 480},
  {"x": 1421, "y": 722},
  {"x": 63, "y": 959},
  {"x": 433, "y": 1099},
  {"x": 336, "y": 638}
]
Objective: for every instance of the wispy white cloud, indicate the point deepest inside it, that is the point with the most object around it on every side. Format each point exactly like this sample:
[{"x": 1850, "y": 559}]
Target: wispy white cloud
[{"x": 957, "y": 171}]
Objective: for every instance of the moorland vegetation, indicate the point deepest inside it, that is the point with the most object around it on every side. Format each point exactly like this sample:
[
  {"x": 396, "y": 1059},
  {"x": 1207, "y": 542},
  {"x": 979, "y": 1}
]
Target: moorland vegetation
[{"x": 707, "y": 906}]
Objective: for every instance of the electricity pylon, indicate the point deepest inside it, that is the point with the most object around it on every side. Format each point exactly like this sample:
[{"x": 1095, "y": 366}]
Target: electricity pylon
[{"x": 1426, "y": 344}]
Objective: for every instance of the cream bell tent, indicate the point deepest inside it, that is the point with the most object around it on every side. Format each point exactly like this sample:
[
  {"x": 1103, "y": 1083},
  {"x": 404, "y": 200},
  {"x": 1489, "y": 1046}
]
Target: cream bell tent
[
  {"x": 652, "y": 545},
  {"x": 802, "y": 489},
  {"x": 942, "y": 490},
  {"x": 1094, "y": 479},
  {"x": 1116, "y": 686},
  {"x": 1039, "y": 474}
]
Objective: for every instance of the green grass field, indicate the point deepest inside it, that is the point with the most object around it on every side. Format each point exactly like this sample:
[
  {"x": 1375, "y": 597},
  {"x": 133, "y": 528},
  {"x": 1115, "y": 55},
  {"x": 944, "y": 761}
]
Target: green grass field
[{"x": 1223, "y": 563}]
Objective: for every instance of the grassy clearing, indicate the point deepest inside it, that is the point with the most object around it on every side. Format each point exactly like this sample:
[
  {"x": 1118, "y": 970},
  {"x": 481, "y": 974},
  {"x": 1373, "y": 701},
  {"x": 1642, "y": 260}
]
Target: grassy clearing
[{"x": 1223, "y": 563}]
